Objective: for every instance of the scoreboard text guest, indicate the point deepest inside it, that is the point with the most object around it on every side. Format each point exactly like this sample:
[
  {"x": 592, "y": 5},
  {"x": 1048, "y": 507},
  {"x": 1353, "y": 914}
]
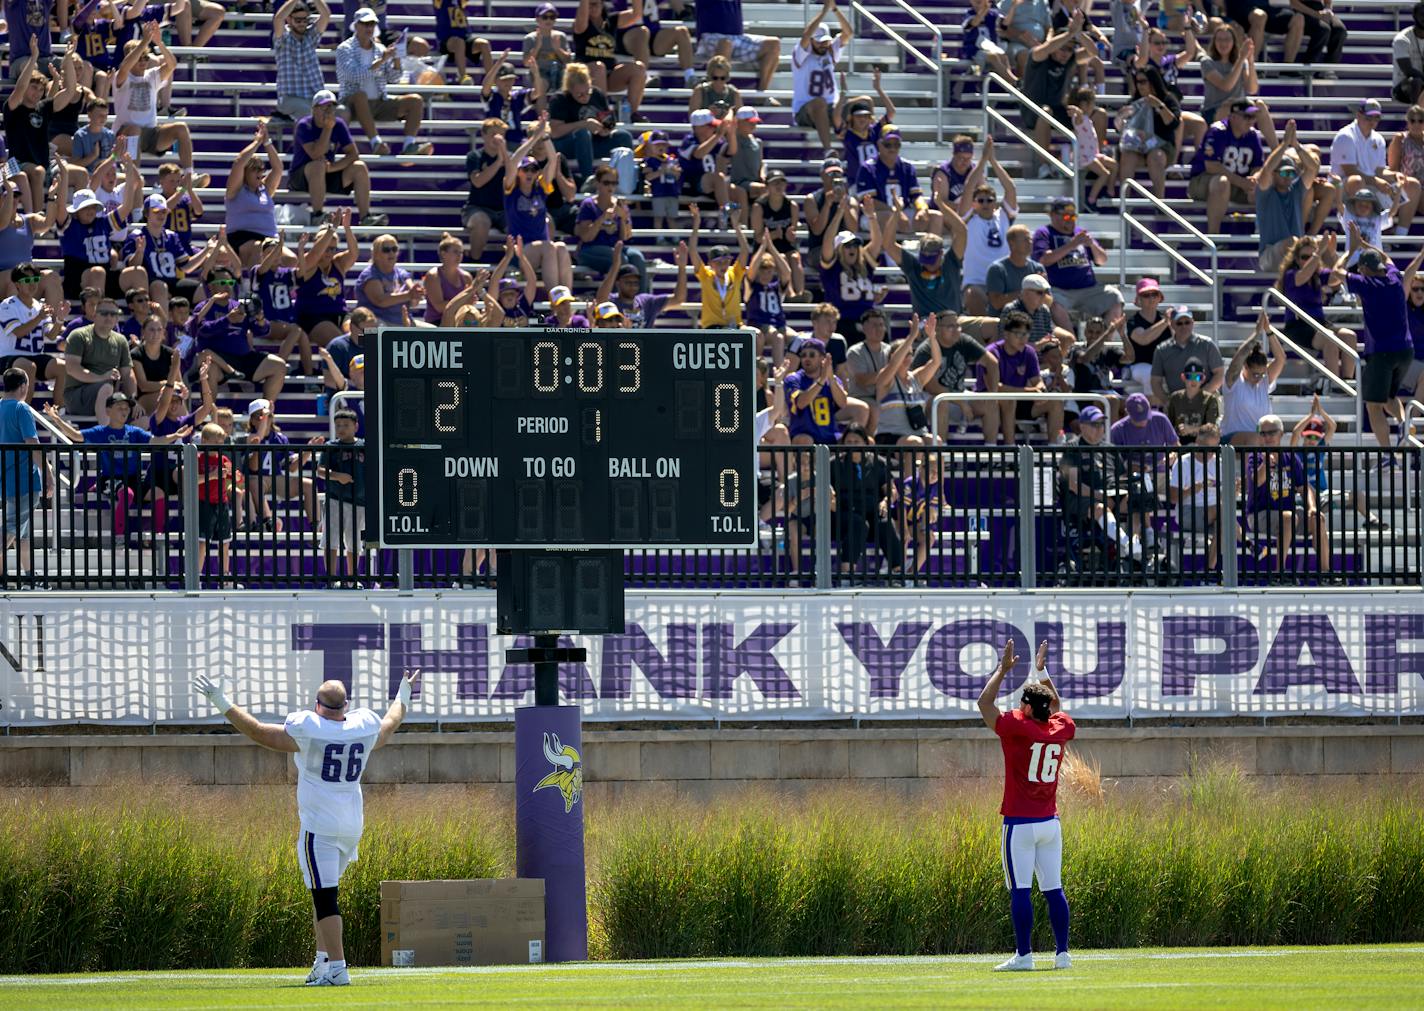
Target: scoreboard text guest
[{"x": 511, "y": 438}]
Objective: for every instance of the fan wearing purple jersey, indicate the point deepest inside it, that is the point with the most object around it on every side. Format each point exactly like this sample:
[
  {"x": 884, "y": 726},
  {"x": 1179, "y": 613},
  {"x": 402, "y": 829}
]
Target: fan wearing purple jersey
[
  {"x": 1227, "y": 164},
  {"x": 510, "y": 104},
  {"x": 275, "y": 286},
  {"x": 862, "y": 129},
  {"x": 84, "y": 239},
  {"x": 887, "y": 177},
  {"x": 848, "y": 268},
  {"x": 814, "y": 396},
  {"x": 768, "y": 285},
  {"x": 95, "y": 27},
  {"x": 705, "y": 156},
  {"x": 153, "y": 257},
  {"x": 452, "y": 36},
  {"x": 948, "y": 178}
]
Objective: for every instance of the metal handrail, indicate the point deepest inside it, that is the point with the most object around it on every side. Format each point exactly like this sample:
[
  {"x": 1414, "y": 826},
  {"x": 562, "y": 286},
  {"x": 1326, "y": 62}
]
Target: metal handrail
[
  {"x": 51, "y": 428},
  {"x": 966, "y": 396},
  {"x": 992, "y": 79},
  {"x": 1126, "y": 217},
  {"x": 1273, "y": 295},
  {"x": 936, "y": 64},
  {"x": 336, "y": 403},
  {"x": 1411, "y": 409}
]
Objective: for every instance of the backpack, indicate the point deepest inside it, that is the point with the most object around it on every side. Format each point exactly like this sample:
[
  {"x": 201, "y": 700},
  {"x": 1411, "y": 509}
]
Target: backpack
[{"x": 623, "y": 161}]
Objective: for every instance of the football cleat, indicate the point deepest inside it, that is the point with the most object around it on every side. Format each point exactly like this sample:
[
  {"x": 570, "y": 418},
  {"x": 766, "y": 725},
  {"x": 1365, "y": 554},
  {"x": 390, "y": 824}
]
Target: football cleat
[
  {"x": 1062, "y": 960},
  {"x": 1019, "y": 963},
  {"x": 338, "y": 977}
]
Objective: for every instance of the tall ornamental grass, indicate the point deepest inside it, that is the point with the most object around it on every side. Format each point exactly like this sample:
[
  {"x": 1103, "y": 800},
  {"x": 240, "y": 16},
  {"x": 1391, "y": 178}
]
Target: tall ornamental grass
[{"x": 174, "y": 878}]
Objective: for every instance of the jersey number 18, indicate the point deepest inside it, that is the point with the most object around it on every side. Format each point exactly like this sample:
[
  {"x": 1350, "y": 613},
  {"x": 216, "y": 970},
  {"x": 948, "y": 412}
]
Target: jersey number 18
[
  {"x": 1043, "y": 762},
  {"x": 331, "y": 764}
]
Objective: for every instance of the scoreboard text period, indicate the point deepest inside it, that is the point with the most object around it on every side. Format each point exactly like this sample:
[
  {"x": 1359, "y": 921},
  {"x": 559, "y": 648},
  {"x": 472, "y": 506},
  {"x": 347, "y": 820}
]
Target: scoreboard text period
[{"x": 571, "y": 438}]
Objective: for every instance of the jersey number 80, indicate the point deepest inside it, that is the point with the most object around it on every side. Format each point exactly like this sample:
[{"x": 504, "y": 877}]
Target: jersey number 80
[{"x": 331, "y": 764}]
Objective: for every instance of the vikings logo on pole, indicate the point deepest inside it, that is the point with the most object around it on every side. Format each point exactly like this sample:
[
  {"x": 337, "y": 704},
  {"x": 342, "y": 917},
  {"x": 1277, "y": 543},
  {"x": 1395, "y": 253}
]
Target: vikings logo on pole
[{"x": 567, "y": 776}]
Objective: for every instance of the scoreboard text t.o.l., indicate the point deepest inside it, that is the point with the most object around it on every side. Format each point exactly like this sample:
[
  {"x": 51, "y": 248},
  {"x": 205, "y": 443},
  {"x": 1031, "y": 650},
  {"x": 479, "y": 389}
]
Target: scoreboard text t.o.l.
[{"x": 575, "y": 438}]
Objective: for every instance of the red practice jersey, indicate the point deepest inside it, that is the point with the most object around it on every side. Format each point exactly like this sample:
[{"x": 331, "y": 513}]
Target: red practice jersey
[{"x": 1032, "y": 754}]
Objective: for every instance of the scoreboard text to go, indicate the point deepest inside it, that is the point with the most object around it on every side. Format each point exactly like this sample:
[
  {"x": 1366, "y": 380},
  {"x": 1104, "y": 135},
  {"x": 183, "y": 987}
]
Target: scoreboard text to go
[{"x": 594, "y": 438}]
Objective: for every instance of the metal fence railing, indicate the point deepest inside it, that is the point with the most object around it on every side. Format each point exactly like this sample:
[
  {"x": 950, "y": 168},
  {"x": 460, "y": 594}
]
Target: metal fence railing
[{"x": 283, "y": 516}]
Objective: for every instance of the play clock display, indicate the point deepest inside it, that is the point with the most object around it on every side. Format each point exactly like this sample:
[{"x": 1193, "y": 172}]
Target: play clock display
[{"x": 571, "y": 438}]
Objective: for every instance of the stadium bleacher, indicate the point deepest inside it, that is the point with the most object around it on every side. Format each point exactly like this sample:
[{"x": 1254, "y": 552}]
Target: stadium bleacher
[{"x": 223, "y": 87}]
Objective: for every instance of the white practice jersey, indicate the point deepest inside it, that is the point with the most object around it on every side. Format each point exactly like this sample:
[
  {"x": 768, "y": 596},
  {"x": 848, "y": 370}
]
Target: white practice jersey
[
  {"x": 331, "y": 760},
  {"x": 813, "y": 75}
]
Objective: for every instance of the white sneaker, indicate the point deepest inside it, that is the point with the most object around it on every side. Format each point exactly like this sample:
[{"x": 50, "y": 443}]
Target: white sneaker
[
  {"x": 1019, "y": 963},
  {"x": 340, "y": 977},
  {"x": 1062, "y": 960},
  {"x": 318, "y": 970}
]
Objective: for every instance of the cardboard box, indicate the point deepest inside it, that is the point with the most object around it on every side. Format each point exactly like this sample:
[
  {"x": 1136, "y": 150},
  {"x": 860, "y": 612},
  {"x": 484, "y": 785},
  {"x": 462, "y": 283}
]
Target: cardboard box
[{"x": 483, "y": 921}]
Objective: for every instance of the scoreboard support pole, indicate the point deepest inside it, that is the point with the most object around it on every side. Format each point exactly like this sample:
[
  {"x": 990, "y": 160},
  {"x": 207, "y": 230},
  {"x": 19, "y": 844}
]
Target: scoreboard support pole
[{"x": 548, "y": 783}]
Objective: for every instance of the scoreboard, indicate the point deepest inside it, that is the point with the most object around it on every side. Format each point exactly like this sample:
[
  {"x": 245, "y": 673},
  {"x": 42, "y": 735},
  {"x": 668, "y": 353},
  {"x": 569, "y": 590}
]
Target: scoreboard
[{"x": 526, "y": 438}]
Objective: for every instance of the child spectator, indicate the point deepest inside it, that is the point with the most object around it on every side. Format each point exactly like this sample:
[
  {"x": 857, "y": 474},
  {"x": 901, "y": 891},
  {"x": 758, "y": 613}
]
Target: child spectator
[
  {"x": 507, "y": 103},
  {"x": 1192, "y": 408},
  {"x": 768, "y": 285},
  {"x": 1083, "y": 113},
  {"x": 981, "y": 41},
  {"x": 548, "y": 46},
  {"x": 706, "y": 156},
  {"x": 343, "y": 505},
  {"x": 124, "y": 480},
  {"x": 1193, "y": 485},
  {"x": 216, "y": 485},
  {"x": 776, "y": 215},
  {"x": 94, "y": 141},
  {"x": 662, "y": 173},
  {"x": 862, "y": 129}
]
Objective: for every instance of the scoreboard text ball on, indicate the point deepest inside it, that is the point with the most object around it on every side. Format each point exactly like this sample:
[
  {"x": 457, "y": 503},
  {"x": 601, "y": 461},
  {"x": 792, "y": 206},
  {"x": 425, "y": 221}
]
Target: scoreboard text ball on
[{"x": 570, "y": 438}]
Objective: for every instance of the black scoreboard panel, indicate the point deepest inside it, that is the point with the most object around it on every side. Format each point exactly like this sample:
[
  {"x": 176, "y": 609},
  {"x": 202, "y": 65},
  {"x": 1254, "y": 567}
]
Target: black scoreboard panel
[{"x": 574, "y": 438}]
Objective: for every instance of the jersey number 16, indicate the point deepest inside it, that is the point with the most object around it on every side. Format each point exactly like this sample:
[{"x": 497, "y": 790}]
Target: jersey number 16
[
  {"x": 331, "y": 764},
  {"x": 1043, "y": 762}
]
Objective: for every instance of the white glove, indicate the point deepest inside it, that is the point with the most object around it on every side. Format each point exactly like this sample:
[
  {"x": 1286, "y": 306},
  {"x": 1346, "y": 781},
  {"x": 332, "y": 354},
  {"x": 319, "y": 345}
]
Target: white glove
[
  {"x": 407, "y": 682},
  {"x": 212, "y": 691}
]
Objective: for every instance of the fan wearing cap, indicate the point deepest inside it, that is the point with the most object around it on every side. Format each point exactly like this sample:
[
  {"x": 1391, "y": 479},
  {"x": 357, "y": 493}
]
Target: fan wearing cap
[
  {"x": 1191, "y": 407},
  {"x": 274, "y": 474},
  {"x": 223, "y": 327},
  {"x": 1171, "y": 357},
  {"x": 507, "y": 103},
  {"x": 596, "y": 47},
  {"x": 620, "y": 285},
  {"x": 720, "y": 277},
  {"x": 745, "y": 169},
  {"x": 364, "y": 67},
  {"x": 1224, "y": 169},
  {"x": 1291, "y": 201},
  {"x": 1389, "y": 350},
  {"x": 949, "y": 177},
  {"x": 861, "y": 136},
  {"x": 527, "y": 185},
  {"x": 1070, "y": 253},
  {"x": 1363, "y": 213},
  {"x": 26, "y": 324},
  {"x": 814, "y": 86},
  {"x": 1148, "y": 328},
  {"x": 609, "y": 317},
  {"x": 125, "y": 481},
  {"x": 325, "y": 159},
  {"x": 561, "y": 314},
  {"x": 548, "y": 46},
  {"x": 848, "y": 267},
  {"x": 513, "y": 302},
  {"x": 932, "y": 269},
  {"x": 662, "y": 174},
  {"x": 85, "y": 234},
  {"x": 775, "y": 215},
  {"x": 1046, "y": 77},
  {"x": 1360, "y": 157},
  {"x": 890, "y": 179},
  {"x": 705, "y": 155},
  {"x": 1091, "y": 486},
  {"x": 153, "y": 257}
]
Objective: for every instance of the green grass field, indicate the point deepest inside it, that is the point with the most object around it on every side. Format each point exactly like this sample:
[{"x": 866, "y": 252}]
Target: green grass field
[{"x": 1378, "y": 976}]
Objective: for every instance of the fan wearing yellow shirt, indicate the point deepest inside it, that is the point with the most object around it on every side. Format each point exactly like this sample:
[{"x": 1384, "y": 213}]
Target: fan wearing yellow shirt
[{"x": 720, "y": 277}]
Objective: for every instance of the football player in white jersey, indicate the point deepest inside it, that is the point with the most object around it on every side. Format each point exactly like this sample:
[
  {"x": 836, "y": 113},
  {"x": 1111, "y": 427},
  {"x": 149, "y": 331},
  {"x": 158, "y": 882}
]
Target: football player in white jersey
[{"x": 331, "y": 744}]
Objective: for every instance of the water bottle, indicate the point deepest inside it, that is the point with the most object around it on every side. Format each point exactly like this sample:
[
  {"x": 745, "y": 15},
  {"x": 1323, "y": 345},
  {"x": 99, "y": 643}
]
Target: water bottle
[{"x": 625, "y": 111}]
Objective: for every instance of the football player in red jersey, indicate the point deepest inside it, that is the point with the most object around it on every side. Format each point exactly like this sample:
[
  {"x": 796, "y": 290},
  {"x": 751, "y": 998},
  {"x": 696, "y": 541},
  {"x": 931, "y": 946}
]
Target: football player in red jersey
[{"x": 1033, "y": 737}]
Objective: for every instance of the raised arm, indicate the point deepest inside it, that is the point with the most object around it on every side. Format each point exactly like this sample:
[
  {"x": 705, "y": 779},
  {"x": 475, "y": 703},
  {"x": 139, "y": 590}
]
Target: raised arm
[
  {"x": 269, "y": 735},
  {"x": 395, "y": 715},
  {"x": 988, "y": 707}
]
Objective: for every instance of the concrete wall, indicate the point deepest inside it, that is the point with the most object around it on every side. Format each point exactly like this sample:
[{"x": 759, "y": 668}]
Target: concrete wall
[{"x": 702, "y": 763}]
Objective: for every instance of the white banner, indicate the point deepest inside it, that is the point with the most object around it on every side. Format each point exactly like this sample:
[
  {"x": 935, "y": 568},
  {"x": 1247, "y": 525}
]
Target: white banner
[{"x": 728, "y": 656}]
